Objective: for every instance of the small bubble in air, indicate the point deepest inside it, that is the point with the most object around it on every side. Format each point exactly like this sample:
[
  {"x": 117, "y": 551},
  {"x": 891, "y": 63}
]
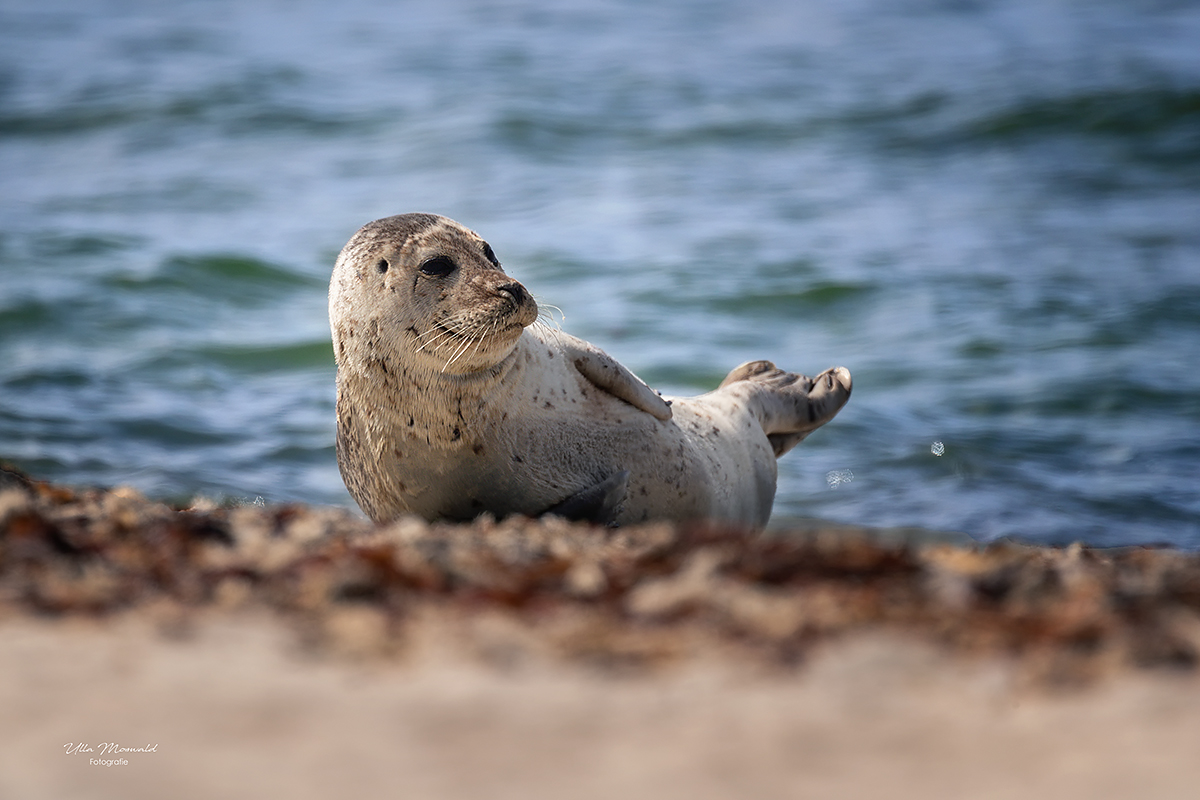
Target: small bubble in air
[
  {"x": 938, "y": 448},
  {"x": 837, "y": 477}
]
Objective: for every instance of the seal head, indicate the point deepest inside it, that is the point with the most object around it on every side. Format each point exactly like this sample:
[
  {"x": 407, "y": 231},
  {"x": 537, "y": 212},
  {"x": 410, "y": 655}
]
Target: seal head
[{"x": 420, "y": 291}]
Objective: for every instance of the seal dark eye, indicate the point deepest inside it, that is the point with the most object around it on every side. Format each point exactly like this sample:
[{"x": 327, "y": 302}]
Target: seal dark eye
[
  {"x": 438, "y": 267},
  {"x": 382, "y": 266},
  {"x": 490, "y": 256}
]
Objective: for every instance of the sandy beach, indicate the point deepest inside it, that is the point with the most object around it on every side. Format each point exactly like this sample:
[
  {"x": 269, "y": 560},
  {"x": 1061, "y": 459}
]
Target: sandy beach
[{"x": 301, "y": 652}]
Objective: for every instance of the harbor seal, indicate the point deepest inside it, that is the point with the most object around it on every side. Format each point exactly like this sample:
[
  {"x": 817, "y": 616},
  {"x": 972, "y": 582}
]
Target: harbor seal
[{"x": 454, "y": 400}]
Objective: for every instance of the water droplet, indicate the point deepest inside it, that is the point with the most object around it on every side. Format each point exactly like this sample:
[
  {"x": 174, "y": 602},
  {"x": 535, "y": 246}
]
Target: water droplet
[{"x": 837, "y": 477}]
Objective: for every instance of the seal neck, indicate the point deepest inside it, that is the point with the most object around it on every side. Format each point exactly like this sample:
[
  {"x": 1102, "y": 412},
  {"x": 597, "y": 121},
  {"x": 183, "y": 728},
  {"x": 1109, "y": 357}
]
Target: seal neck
[{"x": 421, "y": 398}]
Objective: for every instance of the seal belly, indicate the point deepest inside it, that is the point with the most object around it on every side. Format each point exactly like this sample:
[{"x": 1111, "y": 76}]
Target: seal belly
[{"x": 703, "y": 465}]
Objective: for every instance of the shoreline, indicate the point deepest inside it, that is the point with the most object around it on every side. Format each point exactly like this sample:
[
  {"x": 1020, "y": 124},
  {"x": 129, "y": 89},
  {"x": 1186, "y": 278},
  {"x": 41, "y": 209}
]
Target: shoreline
[
  {"x": 104, "y": 553},
  {"x": 254, "y": 635}
]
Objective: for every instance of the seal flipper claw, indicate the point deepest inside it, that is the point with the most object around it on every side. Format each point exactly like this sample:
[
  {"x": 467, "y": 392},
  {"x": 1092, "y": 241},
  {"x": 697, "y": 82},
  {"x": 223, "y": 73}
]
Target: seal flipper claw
[
  {"x": 599, "y": 503},
  {"x": 607, "y": 374},
  {"x": 749, "y": 371}
]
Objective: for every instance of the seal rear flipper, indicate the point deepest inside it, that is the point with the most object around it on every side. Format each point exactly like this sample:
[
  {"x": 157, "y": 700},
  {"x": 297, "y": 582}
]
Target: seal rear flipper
[
  {"x": 789, "y": 406},
  {"x": 606, "y": 373},
  {"x": 598, "y": 504}
]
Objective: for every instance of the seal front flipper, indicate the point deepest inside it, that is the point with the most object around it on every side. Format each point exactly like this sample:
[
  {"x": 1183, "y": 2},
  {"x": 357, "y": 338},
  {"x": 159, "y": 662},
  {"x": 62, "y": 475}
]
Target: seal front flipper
[
  {"x": 599, "y": 503},
  {"x": 606, "y": 373}
]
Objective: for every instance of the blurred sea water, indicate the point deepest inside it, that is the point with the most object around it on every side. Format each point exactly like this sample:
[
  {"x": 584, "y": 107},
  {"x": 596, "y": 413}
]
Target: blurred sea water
[{"x": 988, "y": 211}]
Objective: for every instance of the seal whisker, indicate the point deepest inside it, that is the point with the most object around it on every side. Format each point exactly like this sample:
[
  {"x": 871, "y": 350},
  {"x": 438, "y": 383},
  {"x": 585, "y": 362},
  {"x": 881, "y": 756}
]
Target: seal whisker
[
  {"x": 447, "y": 330},
  {"x": 453, "y": 358},
  {"x": 459, "y": 352},
  {"x": 442, "y": 332},
  {"x": 552, "y": 331},
  {"x": 451, "y": 324},
  {"x": 441, "y": 337},
  {"x": 544, "y": 310},
  {"x": 479, "y": 342},
  {"x": 433, "y": 334}
]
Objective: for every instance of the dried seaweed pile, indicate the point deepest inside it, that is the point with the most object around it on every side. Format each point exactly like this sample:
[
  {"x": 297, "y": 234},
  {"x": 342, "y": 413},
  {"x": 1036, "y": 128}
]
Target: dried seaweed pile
[{"x": 638, "y": 596}]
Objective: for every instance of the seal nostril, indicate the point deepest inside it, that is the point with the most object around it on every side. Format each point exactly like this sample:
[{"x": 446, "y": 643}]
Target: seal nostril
[{"x": 515, "y": 291}]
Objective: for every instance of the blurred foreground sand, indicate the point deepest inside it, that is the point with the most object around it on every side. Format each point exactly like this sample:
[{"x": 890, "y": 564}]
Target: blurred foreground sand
[{"x": 300, "y": 653}]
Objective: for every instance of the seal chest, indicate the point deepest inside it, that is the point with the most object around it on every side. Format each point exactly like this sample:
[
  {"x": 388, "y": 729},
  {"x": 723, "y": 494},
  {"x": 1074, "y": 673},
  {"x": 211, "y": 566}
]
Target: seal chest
[{"x": 454, "y": 400}]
